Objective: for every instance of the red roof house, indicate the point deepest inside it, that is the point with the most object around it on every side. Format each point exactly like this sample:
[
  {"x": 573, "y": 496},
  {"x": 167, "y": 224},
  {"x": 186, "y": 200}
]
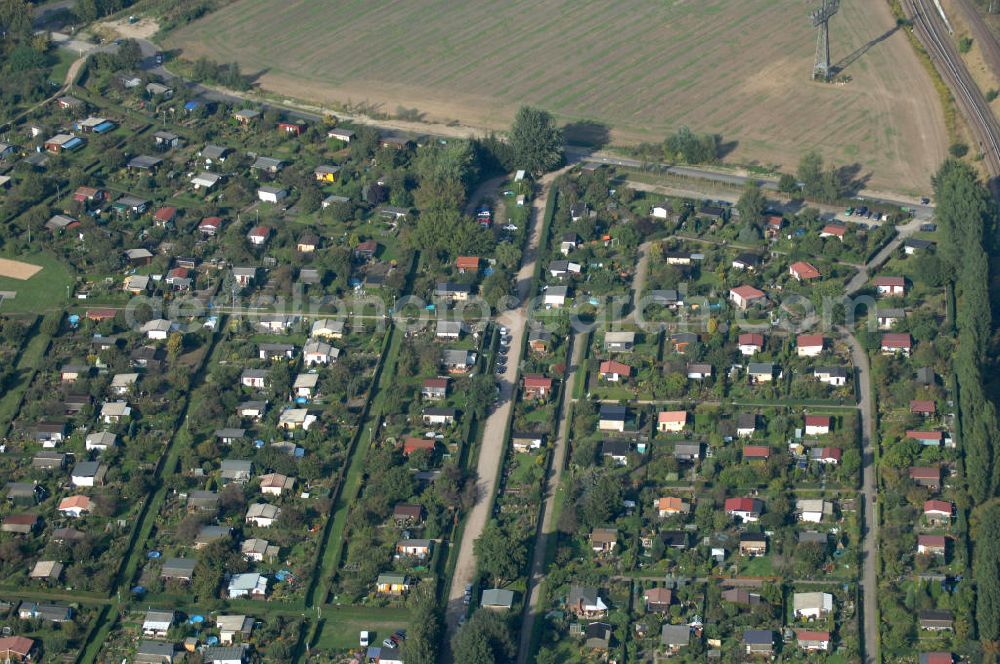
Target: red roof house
[
  {"x": 809, "y": 345},
  {"x": 671, "y": 420},
  {"x": 746, "y": 296},
  {"x": 934, "y": 544},
  {"x": 366, "y": 249},
  {"x": 259, "y": 234},
  {"x": 936, "y": 658},
  {"x": 614, "y": 371},
  {"x": 938, "y": 509},
  {"x": 210, "y": 225},
  {"x": 919, "y": 407},
  {"x": 291, "y": 127},
  {"x": 413, "y": 444},
  {"x": 467, "y": 264},
  {"x": 16, "y": 648},
  {"x": 896, "y": 342},
  {"x": 100, "y": 314},
  {"x": 748, "y": 509},
  {"x": 834, "y": 230},
  {"x": 812, "y": 640},
  {"x": 803, "y": 271},
  {"x": 890, "y": 285},
  {"x": 537, "y": 387},
  {"x": 828, "y": 455},
  {"x": 756, "y": 453},
  {"x": 88, "y": 194},
  {"x": 165, "y": 215},
  {"x": 817, "y": 425},
  {"x": 751, "y": 342}
]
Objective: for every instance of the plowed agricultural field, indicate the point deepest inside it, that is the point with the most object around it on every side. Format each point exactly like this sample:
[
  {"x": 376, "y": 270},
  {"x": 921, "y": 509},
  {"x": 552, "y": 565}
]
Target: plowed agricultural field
[{"x": 644, "y": 67}]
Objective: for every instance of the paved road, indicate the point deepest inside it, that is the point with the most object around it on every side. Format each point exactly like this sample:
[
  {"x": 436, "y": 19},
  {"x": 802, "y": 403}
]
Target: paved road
[
  {"x": 869, "y": 541},
  {"x": 717, "y": 176},
  {"x": 826, "y": 212},
  {"x": 861, "y": 278},
  {"x": 491, "y": 452},
  {"x": 545, "y": 536}
]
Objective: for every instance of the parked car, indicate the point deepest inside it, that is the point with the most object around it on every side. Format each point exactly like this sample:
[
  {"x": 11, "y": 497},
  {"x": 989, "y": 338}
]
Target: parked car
[{"x": 365, "y": 638}]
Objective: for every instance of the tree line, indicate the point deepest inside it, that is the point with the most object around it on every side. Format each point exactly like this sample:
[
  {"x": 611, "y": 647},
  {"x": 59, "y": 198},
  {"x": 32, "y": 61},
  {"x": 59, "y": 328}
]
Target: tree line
[{"x": 966, "y": 216}]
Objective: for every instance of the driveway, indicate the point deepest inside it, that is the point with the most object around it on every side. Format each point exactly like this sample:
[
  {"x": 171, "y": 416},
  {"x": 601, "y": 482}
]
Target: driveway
[
  {"x": 491, "y": 452},
  {"x": 639, "y": 278},
  {"x": 859, "y": 280},
  {"x": 869, "y": 542}
]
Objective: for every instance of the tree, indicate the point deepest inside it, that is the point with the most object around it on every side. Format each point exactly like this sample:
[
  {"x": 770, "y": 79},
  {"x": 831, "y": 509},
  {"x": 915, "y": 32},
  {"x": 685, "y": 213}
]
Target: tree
[
  {"x": 129, "y": 54},
  {"x": 787, "y": 184},
  {"x": 810, "y": 174},
  {"x": 601, "y": 502},
  {"x": 309, "y": 199},
  {"x": 421, "y": 644},
  {"x": 496, "y": 287},
  {"x": 536, "y": 141},
  {"x": 175, "y": 343},
  {"x": 478, "y": 395},
  {"x": 986, "y": 569},
  {"x": 485, "y": 639},
  {"x": 499, "y": 556},
  {"x": 86, "y": 10},
  {"x": 24, "y": 58},
  {"x": 15, "y": 17},
  {"x": 751, "y": 205},
  {"x": 508, "y": 255},
  {"x": 966, "y": 217},
  {"x": 685, "y": 145}
]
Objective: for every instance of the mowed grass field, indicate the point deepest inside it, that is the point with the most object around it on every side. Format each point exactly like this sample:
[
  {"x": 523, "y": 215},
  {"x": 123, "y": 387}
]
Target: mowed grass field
[
  {"x": 737, "y": 67},
  {"x": 45, "y": 291}
]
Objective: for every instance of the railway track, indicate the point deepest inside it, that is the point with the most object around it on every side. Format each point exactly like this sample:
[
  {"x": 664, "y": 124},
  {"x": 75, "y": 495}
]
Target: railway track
[{"x": 932, "y": 32}]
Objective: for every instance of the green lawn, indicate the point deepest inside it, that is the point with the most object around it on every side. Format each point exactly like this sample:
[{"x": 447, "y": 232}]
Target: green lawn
[
  {"x": 525, "y": 470},
  {"x": 759, "y": 566},
  {"x": 63, "y": 59},
  {"x": 48, "y": 290},
  {"x": 342, "y": 625}
]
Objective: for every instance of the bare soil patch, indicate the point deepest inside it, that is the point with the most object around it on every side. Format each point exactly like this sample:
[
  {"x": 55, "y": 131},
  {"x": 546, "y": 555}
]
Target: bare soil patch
[
  {"x": 145, "y": 28},
  {"x": 18, "y": 269},
  {"x": 736, "y": 67}
]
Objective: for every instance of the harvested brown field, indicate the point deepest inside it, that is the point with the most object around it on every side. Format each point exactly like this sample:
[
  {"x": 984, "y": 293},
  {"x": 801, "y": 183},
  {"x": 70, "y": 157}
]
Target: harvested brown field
[
  {"x": 17, "y": 269},
  {"x": 736, "y": 67}
]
